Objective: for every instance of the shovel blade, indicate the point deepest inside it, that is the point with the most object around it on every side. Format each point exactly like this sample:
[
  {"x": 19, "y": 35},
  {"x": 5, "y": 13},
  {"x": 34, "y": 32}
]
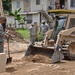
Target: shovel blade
[
  {"x": 57, "y": 56},
  {"x": 29, "y": 50},
  {"x": 9, "y": 60}
]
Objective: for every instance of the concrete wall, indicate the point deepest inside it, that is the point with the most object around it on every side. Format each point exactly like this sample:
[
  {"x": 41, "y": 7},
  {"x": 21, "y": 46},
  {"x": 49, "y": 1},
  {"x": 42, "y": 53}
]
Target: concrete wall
[
  {"x": 14, "y": 5},
  {"x": 31, "y": 5},
  {"x": 2, "y": 62},
  {"x": 27, "y": 6},
  {"x": 42, "y": 5},
  {"x": 35, "y": 18},
  {"x": 69, "y": 7},
  {"x": 10, "y": 19},
  {"x": 67, "y": 4}
]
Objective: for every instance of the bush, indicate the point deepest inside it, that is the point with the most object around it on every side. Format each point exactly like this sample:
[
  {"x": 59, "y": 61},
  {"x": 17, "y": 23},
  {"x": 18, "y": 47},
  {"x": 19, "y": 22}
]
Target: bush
[
  {"x": 39, "y": 37},
  {"x": 24, "y": 33}
]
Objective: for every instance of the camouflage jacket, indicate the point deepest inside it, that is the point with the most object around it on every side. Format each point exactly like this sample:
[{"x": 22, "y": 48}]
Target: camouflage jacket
[
  {"x": 1, "y": 33},
  {"x": 32, "y": 30},
  {"x": 44, "y": 28}
]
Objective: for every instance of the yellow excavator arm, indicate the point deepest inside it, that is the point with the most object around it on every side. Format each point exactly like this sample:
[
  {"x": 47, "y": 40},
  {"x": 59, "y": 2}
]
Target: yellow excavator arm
[{"x": 48, "y": 34}]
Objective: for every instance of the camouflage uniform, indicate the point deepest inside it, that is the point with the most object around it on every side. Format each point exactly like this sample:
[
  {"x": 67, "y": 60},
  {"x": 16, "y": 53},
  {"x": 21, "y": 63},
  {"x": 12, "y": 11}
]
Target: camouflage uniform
[
  {"x": 32, "y": 33},
  {"x": 1, "y": 39},
  {"x": 44, "y": 29}
]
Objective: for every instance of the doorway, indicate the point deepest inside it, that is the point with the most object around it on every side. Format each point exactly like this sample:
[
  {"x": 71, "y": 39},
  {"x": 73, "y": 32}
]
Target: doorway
[{"x": 62, "y": 3}]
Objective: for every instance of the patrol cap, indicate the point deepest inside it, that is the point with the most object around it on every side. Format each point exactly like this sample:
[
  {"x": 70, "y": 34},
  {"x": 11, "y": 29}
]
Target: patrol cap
[
  {"x": 32, "y": 23},
  {"x": 43, "y": 21},
  {"x": 46, "y": 23}
]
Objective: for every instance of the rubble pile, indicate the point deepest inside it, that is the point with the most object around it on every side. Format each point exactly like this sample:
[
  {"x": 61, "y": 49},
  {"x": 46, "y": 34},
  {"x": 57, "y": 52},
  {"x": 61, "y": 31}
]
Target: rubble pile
[{"x": 38, "y": 59}]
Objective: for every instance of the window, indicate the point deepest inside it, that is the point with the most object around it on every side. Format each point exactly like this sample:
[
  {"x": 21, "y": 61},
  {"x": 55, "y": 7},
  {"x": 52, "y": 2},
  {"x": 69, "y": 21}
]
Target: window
[
  {"x": 29, "y": 19},
  {"x": 37, "y": 2},
  {"x": 72, "y": 3},
  {"x": 60, "y": 22},
  {"x": 26, "y": 1},
  {"x": 18, "y": 4},
  {"x": 72, "y": 23}
]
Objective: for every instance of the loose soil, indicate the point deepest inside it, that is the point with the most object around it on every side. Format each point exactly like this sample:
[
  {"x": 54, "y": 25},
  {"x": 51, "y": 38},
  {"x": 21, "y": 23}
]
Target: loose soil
[{"x": 34, "y": 65}]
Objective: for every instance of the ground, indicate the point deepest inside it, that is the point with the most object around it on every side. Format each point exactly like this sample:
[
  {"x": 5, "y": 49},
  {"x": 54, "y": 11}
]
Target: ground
[{"x": 22, "y": 65}]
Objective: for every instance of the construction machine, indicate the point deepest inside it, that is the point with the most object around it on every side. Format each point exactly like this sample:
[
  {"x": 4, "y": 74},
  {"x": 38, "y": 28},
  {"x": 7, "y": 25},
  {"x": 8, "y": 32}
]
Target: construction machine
[{"x": 59, "y": 42}]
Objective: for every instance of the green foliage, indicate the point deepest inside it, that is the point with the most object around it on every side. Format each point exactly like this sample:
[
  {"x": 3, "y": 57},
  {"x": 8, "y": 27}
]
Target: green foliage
[
  {"x": 24, "y": 19},
  {"x": 10, "y": 24},
  {"x": 18, "y": 17},
  {"x": 24, "y": 33},
  {"x": 19, "y": 10},
  {"x": 15, "y": 14},
  {"x": 7, "y": 5},
  {"x": 39, "y": 37}
]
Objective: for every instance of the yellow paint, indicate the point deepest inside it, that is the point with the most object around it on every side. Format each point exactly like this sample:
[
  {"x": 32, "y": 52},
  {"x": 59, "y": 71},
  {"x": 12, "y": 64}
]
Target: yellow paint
[{"x": 61, "y": 11}]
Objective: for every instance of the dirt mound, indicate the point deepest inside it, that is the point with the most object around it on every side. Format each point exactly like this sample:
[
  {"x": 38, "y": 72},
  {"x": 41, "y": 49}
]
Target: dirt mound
[
  {"x": 38, "y": 58},
  {"x": 16, "y": 36}
]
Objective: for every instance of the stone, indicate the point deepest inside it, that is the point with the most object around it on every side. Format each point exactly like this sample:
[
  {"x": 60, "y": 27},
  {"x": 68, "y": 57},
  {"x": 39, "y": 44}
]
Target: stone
[{"x": 2, "y": 62}]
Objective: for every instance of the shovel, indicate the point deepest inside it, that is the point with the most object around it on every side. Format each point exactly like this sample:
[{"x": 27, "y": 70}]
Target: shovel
[{"x": 9, "y": 59}]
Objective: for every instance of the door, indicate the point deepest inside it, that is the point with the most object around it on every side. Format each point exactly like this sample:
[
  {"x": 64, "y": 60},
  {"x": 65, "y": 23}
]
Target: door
[{"x": 62, "y": 4}]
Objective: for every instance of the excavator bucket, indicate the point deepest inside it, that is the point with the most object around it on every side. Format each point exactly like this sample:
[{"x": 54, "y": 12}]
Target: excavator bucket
[
  {"x": 57, "y": 56},
  {"x": 33, "y": 50}
]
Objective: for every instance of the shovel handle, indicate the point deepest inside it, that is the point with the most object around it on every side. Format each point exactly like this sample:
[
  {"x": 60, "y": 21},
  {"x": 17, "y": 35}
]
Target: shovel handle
[{"x": 8, "y": 47}]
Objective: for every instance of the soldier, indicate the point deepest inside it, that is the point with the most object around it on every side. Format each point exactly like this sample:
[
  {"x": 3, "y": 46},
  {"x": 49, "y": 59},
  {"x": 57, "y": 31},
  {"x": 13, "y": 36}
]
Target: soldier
[
  {"x": 32, "y": 33},
  {"x": 1, "y": 36},
  {"x": 4, "y": 23},
  {"x": 44, "y": 28}
]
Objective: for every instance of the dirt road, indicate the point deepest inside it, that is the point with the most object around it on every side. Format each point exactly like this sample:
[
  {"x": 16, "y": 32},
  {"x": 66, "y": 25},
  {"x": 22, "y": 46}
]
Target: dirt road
[{"x": 22, "y": 66}]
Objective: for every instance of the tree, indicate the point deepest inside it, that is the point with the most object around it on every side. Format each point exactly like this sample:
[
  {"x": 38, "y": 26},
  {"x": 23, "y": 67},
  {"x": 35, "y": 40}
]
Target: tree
[
  {"x": 20, "y": 19},
  {"x": 6, "y": 5},
  {"x": 16, "y": 16},
  {"x": 24, "y": 20}
]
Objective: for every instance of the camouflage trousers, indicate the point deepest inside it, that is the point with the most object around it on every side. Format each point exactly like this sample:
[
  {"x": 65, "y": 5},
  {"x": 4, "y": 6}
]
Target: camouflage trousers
[
  {"x": 32, "y": 39},
  {"x": 43, "y": 36},
  {"x": 1, "y": 44},
  {"x": 1, "y": 47}
]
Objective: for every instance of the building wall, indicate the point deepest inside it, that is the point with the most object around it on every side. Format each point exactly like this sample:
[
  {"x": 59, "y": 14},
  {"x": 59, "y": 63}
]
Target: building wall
[
  {"x": 35, "y": 18},
  {"x": 30, "y": 6},
  {"x": 10, "y": 19},
  {"x": 14, "y": 5},
  {"x": 42, "y": 5},
  {"x": 69, "y": 5},
  {"x": 66, "y": 4},
  {"x": 27, "y": 6}
]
